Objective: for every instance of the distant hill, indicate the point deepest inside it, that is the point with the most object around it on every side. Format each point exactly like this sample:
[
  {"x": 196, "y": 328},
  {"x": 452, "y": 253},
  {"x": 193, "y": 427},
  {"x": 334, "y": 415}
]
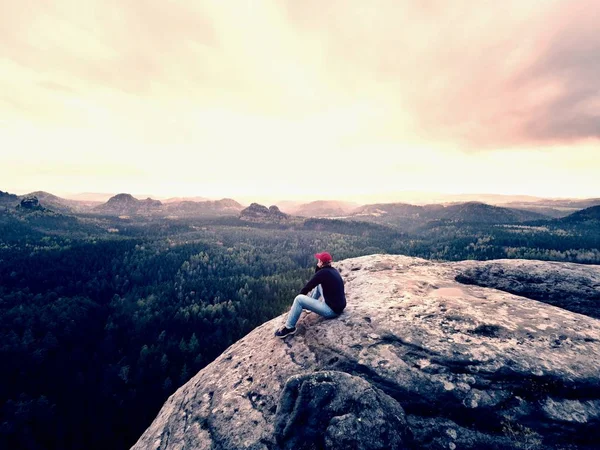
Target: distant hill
[
  {"x": 323, "y": 208},
  {"x": 571, "y": 203},
  {"x": 126, "y": 204},
  {"x": 185, "y": 199},
  {"x": 555, "y": 208},
  {"x": 100, "y": 197},
  {"x": 493, "y": 199},
  {"x": 554, "y": 213},
  {"x": 407, "y": 215},
  {"x": 394, "y": 210},
  {"x": 289, "y": 206},
  {"x": 225, "y": 206},
  {"x": 38, "y": 200},
  {"x": 591, "y": 214},
  {"x": 31, "y": 203},
  {"x": 476, "y": 212},
  {"x": 55, "y": 203},
  {"x": 8, "y": 200},
  {"x": 31, "y": 220},
  {"x": 260, "y": 213}
]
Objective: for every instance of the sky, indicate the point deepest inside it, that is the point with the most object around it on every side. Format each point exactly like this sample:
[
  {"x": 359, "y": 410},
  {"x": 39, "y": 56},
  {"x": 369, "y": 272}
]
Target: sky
[{"x": 300, "y": 100}]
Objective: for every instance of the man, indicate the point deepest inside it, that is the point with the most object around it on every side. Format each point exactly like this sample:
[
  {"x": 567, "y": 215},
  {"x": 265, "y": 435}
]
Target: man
[{"x": 332, "y": 286}]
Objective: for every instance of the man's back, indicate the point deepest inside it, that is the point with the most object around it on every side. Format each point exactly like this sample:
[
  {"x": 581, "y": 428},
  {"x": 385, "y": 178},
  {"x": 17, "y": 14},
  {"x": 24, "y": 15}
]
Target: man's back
[{"x": 333, "y": 287}]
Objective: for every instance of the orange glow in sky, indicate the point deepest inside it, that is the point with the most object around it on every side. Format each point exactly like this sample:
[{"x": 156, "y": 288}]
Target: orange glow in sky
[{"x": 300, "y": 99}]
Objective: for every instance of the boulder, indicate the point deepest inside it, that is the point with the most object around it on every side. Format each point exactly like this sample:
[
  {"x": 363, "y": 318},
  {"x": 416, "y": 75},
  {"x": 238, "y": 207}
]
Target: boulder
[
  {"x": 330, "y": 409},
  {"x": 416, "y": 359}
]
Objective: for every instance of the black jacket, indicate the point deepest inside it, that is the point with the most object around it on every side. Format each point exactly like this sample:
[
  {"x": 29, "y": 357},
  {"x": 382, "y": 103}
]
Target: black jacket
[{"x": 333, "y": 287}]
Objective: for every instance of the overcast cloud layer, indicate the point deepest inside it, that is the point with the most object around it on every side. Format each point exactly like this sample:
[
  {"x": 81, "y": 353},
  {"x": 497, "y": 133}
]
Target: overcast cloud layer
[{"x": 116, "y": 93}]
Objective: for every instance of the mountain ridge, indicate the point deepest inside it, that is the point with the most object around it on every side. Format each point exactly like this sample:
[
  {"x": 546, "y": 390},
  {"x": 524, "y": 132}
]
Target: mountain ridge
[
  {"x": 323, "y": 208},
  {"x": 396, "y": 213},
  {"x": 126, "y": 204},
  {"x": 405, "y": 214},
  {"x": 585, "y": 215}
]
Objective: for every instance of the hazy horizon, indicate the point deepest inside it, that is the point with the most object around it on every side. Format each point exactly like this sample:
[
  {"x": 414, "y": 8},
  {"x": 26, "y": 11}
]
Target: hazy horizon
[
  {"x": 400, "y": 197},
  {"x": 270, "y": 100}
]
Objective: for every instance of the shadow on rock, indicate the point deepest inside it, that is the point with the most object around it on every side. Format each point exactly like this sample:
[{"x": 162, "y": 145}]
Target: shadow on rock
[{"x": 334, "y": 410}]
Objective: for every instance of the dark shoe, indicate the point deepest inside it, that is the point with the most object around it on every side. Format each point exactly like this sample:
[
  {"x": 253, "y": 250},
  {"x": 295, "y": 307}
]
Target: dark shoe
[{"x": 285, "y": 332}]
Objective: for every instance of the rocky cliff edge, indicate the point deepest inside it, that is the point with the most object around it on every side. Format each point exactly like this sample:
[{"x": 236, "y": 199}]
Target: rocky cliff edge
[{"x": 417, "y": 360}]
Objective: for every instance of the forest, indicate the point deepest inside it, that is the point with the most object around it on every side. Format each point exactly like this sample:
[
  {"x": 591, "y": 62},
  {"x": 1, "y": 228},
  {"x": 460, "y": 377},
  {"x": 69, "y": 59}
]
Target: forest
[{"x": 102, "y": 318}]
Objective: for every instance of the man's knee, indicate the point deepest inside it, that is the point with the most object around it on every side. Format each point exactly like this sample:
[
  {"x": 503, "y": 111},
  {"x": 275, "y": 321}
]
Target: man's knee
[{"x": 299, "y": 299}]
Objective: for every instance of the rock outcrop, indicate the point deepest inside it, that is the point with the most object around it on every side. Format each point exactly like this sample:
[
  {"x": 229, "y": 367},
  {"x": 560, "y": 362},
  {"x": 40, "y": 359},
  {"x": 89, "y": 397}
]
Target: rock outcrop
[
  {"x": 30, "y": 203},
  {"x": 417, "y": 360},
  {"x": 260, "y": 213},
  {"x": 58, "y": 204},
  {"x": 569, "y": 286}
]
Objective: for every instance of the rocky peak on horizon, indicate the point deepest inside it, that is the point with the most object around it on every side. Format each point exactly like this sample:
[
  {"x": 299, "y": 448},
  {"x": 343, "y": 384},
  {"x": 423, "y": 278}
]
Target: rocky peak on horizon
[
  {"x": 418, "y": 358},
  {"x": 260, "y": 213},
  {"x": 126, "y": 204},
  {"x": 31, "y": 203},
  {"x": 57, "y": 204},
  {"x": 122, "y": 198}
]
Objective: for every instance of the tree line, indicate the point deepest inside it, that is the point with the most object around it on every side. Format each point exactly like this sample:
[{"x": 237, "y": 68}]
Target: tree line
[{"x": 98, "y": 328}]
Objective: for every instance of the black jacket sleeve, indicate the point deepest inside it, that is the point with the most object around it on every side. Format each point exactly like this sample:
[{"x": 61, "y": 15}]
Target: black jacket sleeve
[{"x": 312, "y": 283}]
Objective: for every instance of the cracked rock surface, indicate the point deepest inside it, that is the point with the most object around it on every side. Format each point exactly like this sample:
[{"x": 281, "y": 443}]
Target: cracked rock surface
[{"x": 417, "y": 359}]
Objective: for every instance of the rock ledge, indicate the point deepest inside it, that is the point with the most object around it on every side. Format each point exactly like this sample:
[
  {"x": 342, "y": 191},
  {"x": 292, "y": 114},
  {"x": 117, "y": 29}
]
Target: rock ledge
[{"x": 417, "y": 360}]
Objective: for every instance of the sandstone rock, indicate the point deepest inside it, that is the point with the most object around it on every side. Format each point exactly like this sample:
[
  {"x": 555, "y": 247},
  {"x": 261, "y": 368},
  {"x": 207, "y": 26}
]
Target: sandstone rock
[
  {"x": 572, "y": 287},
  {"x": 470, "y": 366},
  {"x": 335, "y": 410},
  {"x": 31, "y": 203},
  {"x": 260, "y": 213}
]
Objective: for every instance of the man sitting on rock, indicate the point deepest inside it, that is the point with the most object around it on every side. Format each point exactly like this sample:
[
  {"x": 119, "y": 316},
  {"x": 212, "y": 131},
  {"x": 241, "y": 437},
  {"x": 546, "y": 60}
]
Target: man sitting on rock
[{"x": 332, "y": 286}]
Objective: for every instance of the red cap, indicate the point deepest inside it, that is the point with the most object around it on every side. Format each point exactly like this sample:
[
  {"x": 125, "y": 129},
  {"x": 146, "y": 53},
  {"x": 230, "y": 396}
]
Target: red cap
[{"x": 324, "y": 256}]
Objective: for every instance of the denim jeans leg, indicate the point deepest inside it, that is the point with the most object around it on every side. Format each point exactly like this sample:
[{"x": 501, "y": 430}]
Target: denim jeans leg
[
  {"x": 317, "y": 292},
  {"x": 305, "y": 302}
]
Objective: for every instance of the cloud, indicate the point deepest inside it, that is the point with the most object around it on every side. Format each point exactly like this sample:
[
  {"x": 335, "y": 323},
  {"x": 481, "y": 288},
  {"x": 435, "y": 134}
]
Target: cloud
[
  {"x": 483, "y": 76},
  {"x": 461, "y": 74},
  {"x": 52, "y": 86},
  {"x": 571, "y": 59}
]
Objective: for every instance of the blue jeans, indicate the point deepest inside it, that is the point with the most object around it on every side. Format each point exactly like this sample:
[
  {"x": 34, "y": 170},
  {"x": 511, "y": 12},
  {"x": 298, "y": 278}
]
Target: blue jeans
[
  {"x": 317, "y": 292},
  {"x": 312, "y": 304}
]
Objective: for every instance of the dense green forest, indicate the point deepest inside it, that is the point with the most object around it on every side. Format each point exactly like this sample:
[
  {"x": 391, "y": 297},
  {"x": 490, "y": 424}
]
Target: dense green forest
[{"x": 101, "y": 318}]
